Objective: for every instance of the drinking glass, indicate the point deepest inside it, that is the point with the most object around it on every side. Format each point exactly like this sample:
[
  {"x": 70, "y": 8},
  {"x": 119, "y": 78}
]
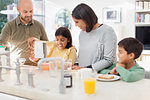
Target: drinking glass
[
  {"x": 67, "y": 66},
  {"x": 53, "y": 68},
  {"x": 45, "y": 66},
  {"x": 89, "y": 77},
  {"x": 3, "y": 60},
  {"x": 89, "y": 85},
  {"x": 21, "y": 61},
  {"x": 85, "y": 73}
]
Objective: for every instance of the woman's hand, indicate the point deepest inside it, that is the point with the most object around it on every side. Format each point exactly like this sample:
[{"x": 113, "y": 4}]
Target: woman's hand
[{"x": 75, "y": 67}]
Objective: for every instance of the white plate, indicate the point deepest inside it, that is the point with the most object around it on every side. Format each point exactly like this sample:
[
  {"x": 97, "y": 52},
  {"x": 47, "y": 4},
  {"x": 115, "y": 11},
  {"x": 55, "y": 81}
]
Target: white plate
[{"x": 114, "y": 79}]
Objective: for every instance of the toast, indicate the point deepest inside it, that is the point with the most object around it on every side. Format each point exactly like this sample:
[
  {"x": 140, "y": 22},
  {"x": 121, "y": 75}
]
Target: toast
[{"x": 106, "y": 76}]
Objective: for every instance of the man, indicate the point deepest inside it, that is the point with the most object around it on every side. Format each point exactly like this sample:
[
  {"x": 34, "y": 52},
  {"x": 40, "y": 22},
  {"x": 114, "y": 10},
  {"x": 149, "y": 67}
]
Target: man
[{"x": 18, "y": 31}]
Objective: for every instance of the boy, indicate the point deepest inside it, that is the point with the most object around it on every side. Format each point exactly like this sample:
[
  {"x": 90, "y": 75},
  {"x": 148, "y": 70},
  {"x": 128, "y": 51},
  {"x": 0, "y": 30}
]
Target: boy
[{"x": 128, "y": 50}]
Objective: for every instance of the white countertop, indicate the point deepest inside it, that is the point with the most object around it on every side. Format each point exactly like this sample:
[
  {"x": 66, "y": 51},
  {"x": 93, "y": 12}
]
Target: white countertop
[
  {"x": 116, "y": 90},
  {"x": 4, "y": 96}
]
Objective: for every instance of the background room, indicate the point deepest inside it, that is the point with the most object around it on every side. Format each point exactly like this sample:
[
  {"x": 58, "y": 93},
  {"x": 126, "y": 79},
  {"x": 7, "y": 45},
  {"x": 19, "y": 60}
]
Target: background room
[{"x": 122, "y": 15}]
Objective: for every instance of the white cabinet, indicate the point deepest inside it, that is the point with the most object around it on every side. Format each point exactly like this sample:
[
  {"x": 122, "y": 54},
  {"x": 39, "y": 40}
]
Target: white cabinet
[{"x": 142, "y": 16}]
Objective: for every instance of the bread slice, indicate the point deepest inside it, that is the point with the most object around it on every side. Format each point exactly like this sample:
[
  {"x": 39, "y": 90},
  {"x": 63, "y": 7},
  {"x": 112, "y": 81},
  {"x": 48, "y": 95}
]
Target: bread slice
[{"x": 106, "y": 76}]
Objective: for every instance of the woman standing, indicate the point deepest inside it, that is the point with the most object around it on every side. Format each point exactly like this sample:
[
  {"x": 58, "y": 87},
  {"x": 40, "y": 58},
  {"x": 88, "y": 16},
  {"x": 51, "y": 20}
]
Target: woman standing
[{"x": 97, "y": 42}]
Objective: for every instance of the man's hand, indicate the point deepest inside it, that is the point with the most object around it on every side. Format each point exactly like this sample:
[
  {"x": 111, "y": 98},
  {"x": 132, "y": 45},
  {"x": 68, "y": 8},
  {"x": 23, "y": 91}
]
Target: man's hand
[
  {"x": 75, "y": 67},
  {"x": 31, "y": 45},
  {"x": 31, "y": 41},
  {"x": 33, "y": 59}
]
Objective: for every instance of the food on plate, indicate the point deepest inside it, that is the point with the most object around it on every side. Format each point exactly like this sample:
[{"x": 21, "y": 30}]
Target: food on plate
[{"x": 106, "y": 76}]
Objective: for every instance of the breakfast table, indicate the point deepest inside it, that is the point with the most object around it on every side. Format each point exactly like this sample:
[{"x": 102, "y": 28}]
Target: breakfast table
[{"x": 46, "y": 88}]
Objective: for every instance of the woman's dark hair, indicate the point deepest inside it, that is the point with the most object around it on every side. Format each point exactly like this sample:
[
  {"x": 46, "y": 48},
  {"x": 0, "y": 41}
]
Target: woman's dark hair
[
  {"x": 131, "y": 45},
  {"x": 65, "y": 33},
  {"x": 84, "y": 12}
]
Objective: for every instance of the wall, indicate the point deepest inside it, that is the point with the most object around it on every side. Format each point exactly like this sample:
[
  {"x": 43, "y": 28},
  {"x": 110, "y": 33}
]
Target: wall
[{"x": 123, "y": 29}]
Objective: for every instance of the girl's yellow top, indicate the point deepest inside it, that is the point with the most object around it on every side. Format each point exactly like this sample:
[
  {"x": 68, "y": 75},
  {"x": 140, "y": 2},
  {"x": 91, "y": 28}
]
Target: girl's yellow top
[{"x": 54, "y": 51}]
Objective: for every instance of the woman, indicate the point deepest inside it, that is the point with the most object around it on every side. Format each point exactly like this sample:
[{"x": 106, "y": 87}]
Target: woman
[{"x": 97, "y": 42}]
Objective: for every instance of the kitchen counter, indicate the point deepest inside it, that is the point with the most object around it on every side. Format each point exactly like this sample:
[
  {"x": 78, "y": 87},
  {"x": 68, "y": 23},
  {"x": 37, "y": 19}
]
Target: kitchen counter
[{"x": 47, "y": 88}]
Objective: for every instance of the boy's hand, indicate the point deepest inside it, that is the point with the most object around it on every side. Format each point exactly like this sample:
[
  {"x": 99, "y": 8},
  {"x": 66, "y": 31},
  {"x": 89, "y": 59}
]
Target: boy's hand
[
  {"x": 75, "y": 67},
  {"x": 113, "y": 71}
]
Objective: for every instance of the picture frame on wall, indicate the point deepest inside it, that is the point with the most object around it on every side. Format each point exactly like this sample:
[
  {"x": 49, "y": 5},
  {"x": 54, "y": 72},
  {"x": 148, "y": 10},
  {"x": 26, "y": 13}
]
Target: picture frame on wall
[{"x": 112, "y": 15}]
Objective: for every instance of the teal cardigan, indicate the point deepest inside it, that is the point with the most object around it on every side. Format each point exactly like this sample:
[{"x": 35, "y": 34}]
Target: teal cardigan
[{"x": 134, "y": 74}]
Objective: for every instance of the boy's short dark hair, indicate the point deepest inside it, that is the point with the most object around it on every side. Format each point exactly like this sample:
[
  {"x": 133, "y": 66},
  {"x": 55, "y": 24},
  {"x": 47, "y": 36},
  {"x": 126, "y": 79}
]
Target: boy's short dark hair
[
  {"x": 65, "y": 32},
  {"x": 85, "y": 13},
  {"x": 131, "y": 45}
]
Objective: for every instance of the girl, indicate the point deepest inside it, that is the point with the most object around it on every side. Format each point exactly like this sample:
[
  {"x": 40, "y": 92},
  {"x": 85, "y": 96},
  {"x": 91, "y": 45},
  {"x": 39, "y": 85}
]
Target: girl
[{"x": 61, "y": 47}]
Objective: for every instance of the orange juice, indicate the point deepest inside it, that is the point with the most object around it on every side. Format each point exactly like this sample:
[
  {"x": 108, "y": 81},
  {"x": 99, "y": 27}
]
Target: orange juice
[
  {"x": 89, "y": 85},
  {"x": 45, "y": 66}
]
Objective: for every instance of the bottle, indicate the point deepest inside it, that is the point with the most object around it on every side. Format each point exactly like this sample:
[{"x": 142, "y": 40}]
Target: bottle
[
  {"x": 67, "y": 73},
  {"x": 68, "y": 80},
  {"x": 3, "y": 58}
]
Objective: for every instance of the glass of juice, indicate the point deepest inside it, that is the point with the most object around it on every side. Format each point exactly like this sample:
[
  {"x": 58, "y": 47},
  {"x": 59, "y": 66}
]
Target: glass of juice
[
  {"x": 50, "y": 66},
  {"x": 45, "y": 66},
  {"x": 89, "y": 85}
]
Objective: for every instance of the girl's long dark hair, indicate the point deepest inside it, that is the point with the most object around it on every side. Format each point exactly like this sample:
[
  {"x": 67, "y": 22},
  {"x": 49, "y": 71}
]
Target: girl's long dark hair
[{"x": 65, "y": 33}]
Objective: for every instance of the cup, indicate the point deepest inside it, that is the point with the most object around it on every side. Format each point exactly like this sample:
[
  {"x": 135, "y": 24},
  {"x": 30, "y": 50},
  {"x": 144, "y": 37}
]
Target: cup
[
  {"x": 21, "y": 61},
  {"x": 67, "y": 66},
  {"x": 85, "y": 72},
  {"x": 89, "y": 85},
  {"x": 3, "y": 60},
  {"x": 45, "y": 66},
  {"x": 53, "y": 68}
]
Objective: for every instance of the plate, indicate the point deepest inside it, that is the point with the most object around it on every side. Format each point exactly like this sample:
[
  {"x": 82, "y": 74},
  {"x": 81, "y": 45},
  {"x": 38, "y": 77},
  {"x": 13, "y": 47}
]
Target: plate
[{"x": 107, "y": 80}]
